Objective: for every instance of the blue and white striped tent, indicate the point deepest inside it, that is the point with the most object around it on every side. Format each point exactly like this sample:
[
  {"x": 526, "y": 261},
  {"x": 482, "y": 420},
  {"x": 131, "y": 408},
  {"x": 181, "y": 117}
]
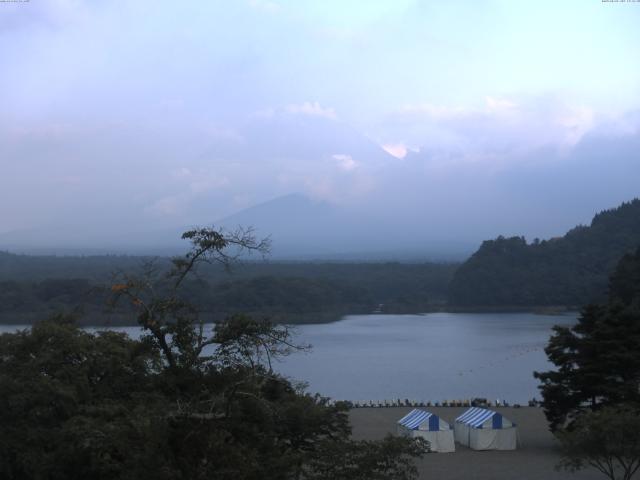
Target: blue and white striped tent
[
  {"x": 420, "y": 423},
  {"x": 483, "y": 429}
]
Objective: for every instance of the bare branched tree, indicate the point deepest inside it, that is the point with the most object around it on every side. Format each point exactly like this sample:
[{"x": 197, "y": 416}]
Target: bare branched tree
[{"x": 172, "y": 323}]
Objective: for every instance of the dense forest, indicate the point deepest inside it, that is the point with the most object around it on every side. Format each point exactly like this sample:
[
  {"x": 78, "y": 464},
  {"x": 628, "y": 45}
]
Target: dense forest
[
  {"x": 571, "y": 270},
  {"x": 292, "y": 292},
  {"x": 181, "y": 402}
]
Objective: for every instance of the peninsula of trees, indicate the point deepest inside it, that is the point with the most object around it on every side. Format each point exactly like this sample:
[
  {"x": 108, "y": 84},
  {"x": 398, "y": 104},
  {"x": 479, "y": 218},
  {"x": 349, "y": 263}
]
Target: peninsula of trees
[{"x": 571, "y": 270}]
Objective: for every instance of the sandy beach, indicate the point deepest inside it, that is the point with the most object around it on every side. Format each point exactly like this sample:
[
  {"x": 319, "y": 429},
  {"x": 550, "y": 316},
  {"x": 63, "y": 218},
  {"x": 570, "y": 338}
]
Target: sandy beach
[{"x": 535, "y": 457}]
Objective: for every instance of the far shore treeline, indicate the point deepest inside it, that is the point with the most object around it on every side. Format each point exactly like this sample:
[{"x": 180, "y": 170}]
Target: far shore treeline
[
  {"x": 505, "y": 274},
  {"x": 569, "y": 270}
]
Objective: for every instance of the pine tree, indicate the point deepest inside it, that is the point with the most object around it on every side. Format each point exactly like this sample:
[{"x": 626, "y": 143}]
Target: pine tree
[{"x": 598, "y": 359}]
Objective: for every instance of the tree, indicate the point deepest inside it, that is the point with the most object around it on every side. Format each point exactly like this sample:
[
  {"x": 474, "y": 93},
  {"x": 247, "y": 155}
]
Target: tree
[
  {"x": 171, "y": 322},
  {"x": 180, "y": 403},
  {"x": 366, "y": 460},
  {"x": 598, "y": 359},
  {"x": 608, "y": 440},
  {"x": 77, "y": 405}
]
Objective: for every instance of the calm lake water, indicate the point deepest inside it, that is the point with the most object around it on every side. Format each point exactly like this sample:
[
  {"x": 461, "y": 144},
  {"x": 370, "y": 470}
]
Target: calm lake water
[{"x": 436, "y": 356}]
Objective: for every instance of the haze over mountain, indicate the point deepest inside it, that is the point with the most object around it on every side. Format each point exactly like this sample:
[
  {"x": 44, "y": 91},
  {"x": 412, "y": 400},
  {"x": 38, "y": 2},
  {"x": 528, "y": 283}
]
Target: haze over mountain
[
  {"x": 386, "y": 208},
  {"x": 301, "y": 228},
  {"x": 125, "y": 123}
]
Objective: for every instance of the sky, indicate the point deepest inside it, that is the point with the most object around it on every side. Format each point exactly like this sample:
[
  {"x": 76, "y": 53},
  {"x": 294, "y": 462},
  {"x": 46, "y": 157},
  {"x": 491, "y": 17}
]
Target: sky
[{"x": 473, "y": 117}]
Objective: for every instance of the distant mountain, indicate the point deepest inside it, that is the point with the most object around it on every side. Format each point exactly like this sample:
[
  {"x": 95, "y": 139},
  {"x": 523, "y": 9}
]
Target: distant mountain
[
  {"x": 296, "y": 225},
  {"x": 300, "y": 228},
  {"x": 570, "y": 270},
  {"x": 304, "y": 229}
]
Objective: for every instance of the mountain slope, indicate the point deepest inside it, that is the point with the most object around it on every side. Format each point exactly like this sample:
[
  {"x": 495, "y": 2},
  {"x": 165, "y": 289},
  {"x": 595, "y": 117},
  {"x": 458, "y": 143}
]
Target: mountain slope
[
  {"x": 571, "y": 270},
  {"x": 297, "y": 225},
  {"x": 305, "y": 229}
]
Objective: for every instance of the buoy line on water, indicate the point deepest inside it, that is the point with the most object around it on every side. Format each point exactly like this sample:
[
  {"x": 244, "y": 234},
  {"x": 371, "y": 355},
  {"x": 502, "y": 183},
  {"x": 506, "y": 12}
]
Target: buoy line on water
[{"x": 519, "y": 353}]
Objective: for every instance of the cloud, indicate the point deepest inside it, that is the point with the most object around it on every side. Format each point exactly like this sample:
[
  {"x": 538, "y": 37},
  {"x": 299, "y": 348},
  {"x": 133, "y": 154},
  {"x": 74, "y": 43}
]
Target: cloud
[
  {"x": 48, "y": 14},
  {"x": 345, "y": 162},
  {"x": 494, "y": 104},
  {"x": 576, "y": 122},
  {"x": 398, "y": 150},
  {"x": 190, "y": 187},
  {"x": 202, "y": 185},
  {"x": 313, "y": 109},
  {"x": 167, "y": 206},
  {"x": 223, "y": 133},
  {"x": 428, "y": 110},
  {"x": 197, "y": 108},
  {"x": 265, "y": 6},
  {"x": 182, "y": 172},
  {"x": 502, "y": 126}
]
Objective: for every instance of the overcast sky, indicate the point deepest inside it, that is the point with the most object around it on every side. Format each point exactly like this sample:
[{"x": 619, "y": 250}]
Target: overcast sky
[{"x": 139, "y": 114}]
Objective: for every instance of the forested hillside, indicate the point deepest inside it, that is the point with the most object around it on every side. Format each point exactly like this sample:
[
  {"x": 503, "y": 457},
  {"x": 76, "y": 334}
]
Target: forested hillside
[
  {"x": 32, "y": 286},
  {"x": 571, "y": 270},
  {"x": 505, "y": 272}
]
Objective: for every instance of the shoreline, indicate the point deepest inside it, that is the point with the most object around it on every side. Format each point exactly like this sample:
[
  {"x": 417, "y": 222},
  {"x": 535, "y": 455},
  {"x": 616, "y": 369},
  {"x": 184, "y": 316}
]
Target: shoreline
[
  {"x": 535, "y": 458},
  {"x": 313, "y": 318},
  {"x": 536, "y": 309}
]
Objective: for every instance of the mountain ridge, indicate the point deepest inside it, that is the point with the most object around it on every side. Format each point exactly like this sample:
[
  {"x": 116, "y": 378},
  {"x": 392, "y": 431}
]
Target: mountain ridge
[{"x": 568, "y": 270}]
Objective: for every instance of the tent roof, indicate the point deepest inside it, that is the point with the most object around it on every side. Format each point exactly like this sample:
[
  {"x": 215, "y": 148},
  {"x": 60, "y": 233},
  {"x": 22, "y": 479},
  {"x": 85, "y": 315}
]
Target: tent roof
[
  {"x": 415, "y": 418},
  {"x": 475, "y": 417}
]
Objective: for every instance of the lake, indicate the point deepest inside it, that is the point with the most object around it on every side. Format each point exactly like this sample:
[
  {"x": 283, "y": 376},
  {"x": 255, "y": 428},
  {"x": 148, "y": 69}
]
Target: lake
[{"x": 435, "y": 356}]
